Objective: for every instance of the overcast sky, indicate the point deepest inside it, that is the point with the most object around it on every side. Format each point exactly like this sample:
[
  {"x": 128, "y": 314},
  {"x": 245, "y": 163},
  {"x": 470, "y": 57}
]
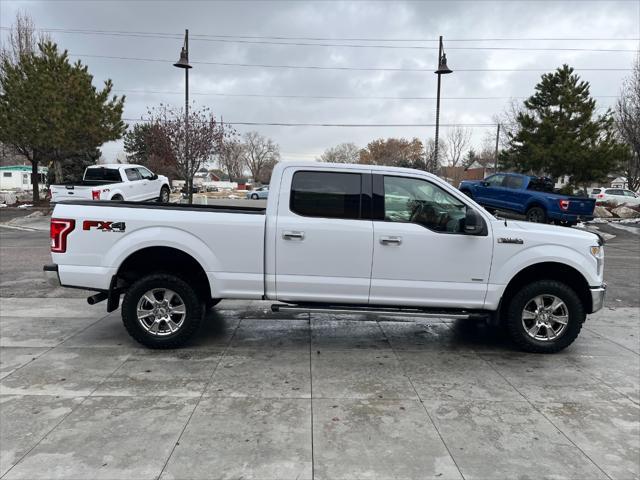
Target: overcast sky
[{"x": 476, "y": 34}]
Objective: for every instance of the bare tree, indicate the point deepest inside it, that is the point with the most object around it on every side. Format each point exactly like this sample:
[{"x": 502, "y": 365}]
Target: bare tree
[
  {"x": 628, "y": 124},
  {"x": 191, "y": 141},
  {"x": 457, "y": 143},
  {"x": 431, "y": 164},
  {"x": 23, "y": 39},
  {"x": 231, "y": 158},
  {"x": 259, "y": 153},
  {"x": 342, "y": 153}
]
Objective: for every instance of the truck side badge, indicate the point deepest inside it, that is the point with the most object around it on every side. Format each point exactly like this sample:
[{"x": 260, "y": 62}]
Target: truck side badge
[
  {"x": 104, "y": 226},
  {"x": 517, "y": 241}
]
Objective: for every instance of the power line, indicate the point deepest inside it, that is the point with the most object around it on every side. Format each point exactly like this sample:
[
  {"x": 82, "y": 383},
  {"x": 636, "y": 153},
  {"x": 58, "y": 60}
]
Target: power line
[
  {"x": 263, "y": 41},
  {"x": 321, "y": 97},
  {"x": 343, "y": 125},
  {"x": 366, "y": 69}
]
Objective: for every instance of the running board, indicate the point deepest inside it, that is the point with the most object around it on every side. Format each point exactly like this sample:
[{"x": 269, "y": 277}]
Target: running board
[{"x": 405, "y": 312}]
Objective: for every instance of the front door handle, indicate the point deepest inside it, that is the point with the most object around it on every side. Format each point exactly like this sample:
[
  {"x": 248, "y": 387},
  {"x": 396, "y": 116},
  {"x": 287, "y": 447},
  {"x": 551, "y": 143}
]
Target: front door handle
[
  {"x": 391, "y": 240},
  {"x": 293, "y": 235}
]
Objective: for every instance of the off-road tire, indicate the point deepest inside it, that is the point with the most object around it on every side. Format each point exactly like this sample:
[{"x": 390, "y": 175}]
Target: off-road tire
[
  {"x": 515, "y": 307},
  {"x": 190, "y": 323},
  {"x": 536, "y": 215},
  {"x": 164, "y": 191}
]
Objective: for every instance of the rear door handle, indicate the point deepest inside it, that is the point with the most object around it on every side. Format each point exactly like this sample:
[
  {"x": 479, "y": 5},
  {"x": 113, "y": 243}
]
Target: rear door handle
[
  {"x": 293, "y": 235},
  {"x": 391, "y": 240}
]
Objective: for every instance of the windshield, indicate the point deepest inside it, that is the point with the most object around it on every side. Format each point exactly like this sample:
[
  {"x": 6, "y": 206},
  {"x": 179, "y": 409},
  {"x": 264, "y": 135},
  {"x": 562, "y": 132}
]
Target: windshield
[{"x": 102, "y": 174}]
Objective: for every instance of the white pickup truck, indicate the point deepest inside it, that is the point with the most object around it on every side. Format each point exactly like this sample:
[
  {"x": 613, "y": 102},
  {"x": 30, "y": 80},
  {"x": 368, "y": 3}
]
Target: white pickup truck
[
  {"x": 117, "y": 181},
  {"x": 333, "y": 238}
]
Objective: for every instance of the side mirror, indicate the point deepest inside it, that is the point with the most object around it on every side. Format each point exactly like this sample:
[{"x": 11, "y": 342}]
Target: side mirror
[
  {"x": 474, "y": 224},
  {"x": 155, "y": 177},
  {"x": 485, "y": 184}
]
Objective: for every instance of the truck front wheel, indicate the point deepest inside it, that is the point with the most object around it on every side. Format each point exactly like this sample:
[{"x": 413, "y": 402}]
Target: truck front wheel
[
  {"x": 164, "y": 195},
  {"x": 161, "y": 311},
  {"x": 544, "y": 316}
]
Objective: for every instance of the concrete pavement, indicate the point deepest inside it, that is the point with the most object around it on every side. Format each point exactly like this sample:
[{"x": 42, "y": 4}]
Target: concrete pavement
[{"x": 266, "y": 396}]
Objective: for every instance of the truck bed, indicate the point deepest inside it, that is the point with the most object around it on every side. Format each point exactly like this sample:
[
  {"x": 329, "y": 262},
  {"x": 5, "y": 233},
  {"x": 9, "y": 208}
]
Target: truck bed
[{"x": 252, "y": 210}]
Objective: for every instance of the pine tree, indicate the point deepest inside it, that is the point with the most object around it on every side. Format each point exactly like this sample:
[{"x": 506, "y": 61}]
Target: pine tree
[
  {"x": 50, "y": 110},
  {"x": 558, "y": 132}
]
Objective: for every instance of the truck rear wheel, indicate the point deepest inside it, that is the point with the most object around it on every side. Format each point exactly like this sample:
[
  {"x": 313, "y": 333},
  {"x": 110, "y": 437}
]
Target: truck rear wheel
[
  {"x": 161, "y": 311},
  {"x": 544, "y": 317},
  {"x": 536, "y": 215}
]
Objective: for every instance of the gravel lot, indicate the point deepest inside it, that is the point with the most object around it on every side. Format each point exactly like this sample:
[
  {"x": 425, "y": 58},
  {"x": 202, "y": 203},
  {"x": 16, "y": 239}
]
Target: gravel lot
[{"x": 266, "y": 396}]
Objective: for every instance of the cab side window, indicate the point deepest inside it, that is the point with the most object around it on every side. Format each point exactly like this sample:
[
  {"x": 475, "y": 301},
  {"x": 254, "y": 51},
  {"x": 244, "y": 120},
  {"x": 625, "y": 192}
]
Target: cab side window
[
  {"x": 513, "y": 182},
  {"x": 418, "y": 201},
  {"x": 145, "y": 174},
  {"x": 495, "y": 180},
  {"x": 132, "y": 174},
  {"x": 326, "y": 194}
]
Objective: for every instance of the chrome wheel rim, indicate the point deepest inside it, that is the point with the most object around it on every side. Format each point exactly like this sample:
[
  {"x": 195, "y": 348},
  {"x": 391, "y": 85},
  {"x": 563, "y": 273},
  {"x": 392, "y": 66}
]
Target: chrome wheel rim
[
  {"x": 161, "y": 312},
  {"x": 545, "y": 317}
]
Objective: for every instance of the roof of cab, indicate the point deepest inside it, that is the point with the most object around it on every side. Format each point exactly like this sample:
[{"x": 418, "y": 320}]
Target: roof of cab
[{"x": 115, "y": 165}]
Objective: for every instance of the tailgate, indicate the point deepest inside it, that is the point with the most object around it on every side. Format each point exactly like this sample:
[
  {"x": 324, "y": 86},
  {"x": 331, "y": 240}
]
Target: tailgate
[
  {"x": 581, "y": 205},
  {"x": 60, "y": 193}
]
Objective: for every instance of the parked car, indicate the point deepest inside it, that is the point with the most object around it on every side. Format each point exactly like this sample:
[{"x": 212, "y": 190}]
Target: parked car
[
  {"x": 256, "y": 193},
  {"x": 615, "y": 195},
  {"x": 114, "y": 182},
  {"x": 530, "y": 196},
  {"x": 333, "y": 238},
  {"x": 185, "y": 190}
]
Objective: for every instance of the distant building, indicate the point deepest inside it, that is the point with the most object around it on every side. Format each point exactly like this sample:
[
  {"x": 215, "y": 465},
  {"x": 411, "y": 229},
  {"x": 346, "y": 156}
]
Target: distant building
[
  {"x": 18, "y": 177},
  {"x": 620, "y": 182}
]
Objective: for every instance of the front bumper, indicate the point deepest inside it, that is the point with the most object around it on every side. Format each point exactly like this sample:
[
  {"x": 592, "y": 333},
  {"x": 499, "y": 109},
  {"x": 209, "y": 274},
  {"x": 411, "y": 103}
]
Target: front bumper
[
  {"x": 597, "y": 297},
  {"x": 51, "y": 274}
]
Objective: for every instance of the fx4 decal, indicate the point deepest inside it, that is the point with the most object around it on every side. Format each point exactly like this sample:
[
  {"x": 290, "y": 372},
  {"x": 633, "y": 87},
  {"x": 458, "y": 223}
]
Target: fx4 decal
[{"x": 104, "y": 226}]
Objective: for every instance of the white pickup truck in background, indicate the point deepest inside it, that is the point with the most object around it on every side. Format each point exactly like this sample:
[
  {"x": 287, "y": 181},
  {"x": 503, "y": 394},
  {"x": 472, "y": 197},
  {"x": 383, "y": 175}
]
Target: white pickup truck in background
[
  {"x": 114, "y": 182},
  {"x": 332, "y": 238}
]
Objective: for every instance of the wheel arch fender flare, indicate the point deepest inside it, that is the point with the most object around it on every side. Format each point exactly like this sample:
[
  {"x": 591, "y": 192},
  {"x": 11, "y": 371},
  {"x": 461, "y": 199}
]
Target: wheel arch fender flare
[
  {"x": 566, "y": 265},
  {"x": 170, "y": 237}
]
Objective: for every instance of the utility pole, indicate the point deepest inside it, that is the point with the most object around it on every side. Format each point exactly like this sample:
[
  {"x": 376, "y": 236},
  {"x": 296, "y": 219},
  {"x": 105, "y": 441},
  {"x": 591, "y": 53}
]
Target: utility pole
[{"x": 495, "y": 164}]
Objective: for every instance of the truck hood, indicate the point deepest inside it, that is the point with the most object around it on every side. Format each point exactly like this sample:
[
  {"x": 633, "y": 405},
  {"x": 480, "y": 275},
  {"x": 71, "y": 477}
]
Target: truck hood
[{"x": 557, "y": 233}]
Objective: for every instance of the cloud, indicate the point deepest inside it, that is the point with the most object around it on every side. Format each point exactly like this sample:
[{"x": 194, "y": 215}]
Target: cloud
[{"x": 350, "y": 19}]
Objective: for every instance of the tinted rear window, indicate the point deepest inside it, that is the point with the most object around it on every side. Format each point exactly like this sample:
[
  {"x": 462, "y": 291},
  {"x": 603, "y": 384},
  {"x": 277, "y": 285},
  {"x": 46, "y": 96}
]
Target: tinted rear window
[
  {"x": 326, "y": 194},
  {"x": 514, "y": 182},
  {"x": 103, "y": 174},
  {"x": 595, "y": 190}
]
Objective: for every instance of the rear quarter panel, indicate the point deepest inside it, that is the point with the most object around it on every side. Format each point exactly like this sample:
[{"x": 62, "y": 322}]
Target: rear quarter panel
[{"x": 228, "y": 246}]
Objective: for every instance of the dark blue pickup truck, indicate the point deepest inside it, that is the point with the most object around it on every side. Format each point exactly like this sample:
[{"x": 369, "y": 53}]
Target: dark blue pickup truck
[{"x": 530, "y": 196}]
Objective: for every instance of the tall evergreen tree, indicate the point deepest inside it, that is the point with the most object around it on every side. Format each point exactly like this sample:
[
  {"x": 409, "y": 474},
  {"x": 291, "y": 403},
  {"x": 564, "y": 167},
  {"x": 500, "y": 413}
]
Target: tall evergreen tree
[
  {"x": 50, "y": 110},
  {"x": 559, "y": 133}
]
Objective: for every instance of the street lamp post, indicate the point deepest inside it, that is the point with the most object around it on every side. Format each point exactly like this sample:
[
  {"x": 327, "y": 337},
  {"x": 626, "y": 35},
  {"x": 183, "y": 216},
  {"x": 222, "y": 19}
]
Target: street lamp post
[
  {"x": 442, "y": 70},
  {"x": 183, "y": 62}
]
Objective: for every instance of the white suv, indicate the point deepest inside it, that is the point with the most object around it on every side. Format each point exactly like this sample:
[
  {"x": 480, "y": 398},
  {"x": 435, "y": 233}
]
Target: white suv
[{"x": 615, "y": 195}]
